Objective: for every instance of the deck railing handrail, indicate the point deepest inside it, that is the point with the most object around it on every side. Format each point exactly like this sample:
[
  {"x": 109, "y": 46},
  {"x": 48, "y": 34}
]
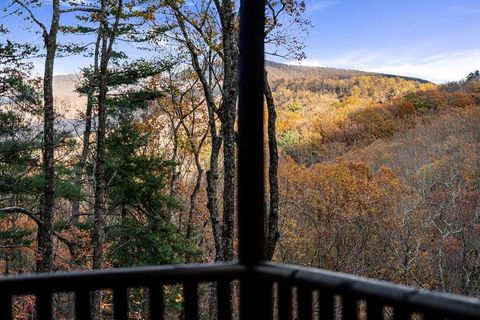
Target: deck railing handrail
[
  {"x": 126, "y": 277},
  {"x": 376, "y": 295},
  {"x": 386, "y": 293}
]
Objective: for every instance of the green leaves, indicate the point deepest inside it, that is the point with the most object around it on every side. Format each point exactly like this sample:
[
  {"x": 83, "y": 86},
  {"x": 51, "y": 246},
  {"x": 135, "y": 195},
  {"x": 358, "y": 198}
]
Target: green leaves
[
  {"x": 15, "y": 85},
  {"x": 143, "y": 235},
  {"x": 132, "y": 72},
  {"x": 154, "y": 243}
]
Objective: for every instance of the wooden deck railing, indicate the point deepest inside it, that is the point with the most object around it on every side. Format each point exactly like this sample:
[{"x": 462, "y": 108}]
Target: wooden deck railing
[{"x": 287, "y": 292}]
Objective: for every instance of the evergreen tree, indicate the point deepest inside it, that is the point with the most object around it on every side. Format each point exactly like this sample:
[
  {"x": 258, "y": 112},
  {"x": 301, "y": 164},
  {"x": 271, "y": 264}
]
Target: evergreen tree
[
  {"x": 19, "y": 161},
  {"x": 137, "y": 191}
]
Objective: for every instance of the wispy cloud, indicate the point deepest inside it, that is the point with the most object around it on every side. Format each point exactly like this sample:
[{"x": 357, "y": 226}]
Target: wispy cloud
[
  {"x": 319, "y": 5},
  {"x": 463, "y": 9},
  {"x": 442, "y": 67},
  {"x": 73, "y": 3}
]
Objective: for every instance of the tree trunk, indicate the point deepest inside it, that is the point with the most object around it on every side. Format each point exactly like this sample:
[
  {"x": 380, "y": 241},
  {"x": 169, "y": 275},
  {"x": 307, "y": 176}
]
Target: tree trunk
[
  {"x": 212, "y": 191},
  {"x": 272, "y": 222},
  {"x": 174, "y": 171},
  {"x": 227, "y": 115},
  {"x": 98, "y": 234},
  {"x": 216, "y": 139},
  {"x": 45, "y": 230},
  {"x": 228, "y": 188},
  {"x": 80, "y": 167},
  {"x": 194, "y": 201}
]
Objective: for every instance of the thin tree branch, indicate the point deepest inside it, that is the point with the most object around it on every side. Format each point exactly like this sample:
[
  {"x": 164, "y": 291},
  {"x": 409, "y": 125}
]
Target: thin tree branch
[
  {"x": 32, "y": 16},
  {"x": 24, "y": 211}
]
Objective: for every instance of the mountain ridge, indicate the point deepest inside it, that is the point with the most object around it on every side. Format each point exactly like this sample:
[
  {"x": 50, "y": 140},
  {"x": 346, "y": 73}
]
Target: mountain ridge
[
  {"x": 69, "y": 103},
  {"x": 294, "y": 72}
]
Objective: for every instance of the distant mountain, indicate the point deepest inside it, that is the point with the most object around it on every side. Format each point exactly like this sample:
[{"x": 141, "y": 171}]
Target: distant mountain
[
  {"x": 69, "y": 103},
  {"x": 277, "y": 71},
  {"x": 281, "y": 71}
]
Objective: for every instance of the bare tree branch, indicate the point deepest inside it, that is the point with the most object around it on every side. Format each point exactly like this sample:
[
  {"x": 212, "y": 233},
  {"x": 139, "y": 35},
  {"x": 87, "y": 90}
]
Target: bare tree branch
[
  {"x": 24, "y": 211},
  {"x": 32, "y": 16}
]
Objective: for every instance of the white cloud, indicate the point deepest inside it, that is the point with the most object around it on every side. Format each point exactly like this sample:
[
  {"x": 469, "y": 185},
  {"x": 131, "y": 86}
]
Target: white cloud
[
  {"x": 463, "y": 9},
  {"x": 316, "y": 5},
  {"x": 72, "y": 3},
  {"x": 443, "y": 67}
]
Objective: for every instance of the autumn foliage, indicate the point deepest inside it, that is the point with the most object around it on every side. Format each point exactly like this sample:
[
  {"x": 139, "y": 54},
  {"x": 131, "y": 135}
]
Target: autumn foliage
[{"x": 389, "y": 191}]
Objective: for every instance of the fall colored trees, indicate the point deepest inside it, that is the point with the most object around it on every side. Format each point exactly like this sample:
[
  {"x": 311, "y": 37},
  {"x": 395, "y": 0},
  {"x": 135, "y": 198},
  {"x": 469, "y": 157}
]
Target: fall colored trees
[{"x": 395, "y": 209}]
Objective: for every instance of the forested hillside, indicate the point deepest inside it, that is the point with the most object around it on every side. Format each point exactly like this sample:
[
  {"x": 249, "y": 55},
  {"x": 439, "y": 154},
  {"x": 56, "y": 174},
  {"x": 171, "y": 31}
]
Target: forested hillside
[
  {"x": 281, "y": 71},
  {"x": 387, "y": 190},
  {"x": 300, "y": 79}
]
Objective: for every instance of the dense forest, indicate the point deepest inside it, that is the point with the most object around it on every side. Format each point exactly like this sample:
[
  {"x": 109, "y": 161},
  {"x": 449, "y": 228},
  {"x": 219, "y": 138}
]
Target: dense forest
[
  {"x": 371, "y": 174},
  {"x": 386, "y": 190}
]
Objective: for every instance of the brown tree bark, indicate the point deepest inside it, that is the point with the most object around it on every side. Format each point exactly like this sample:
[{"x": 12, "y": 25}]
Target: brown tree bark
[
  {"x": 194, "y": 197},
  {"x": 80, "y": 167},
  {"x": 98, "y": 236},
  {"x": 175, "y": 174},
  {"x": 100, "y": 181},
  {"x": 45, "y": 230},
  {"x": 44, "y": 261},
  {"x": 216, "y": 139},
  {"x": 227, "y": 115},
  {"x": 223, "y": 232},
  {"x": 196, "y": 149},
  {"x": 108, "y": 36},
  {"x": 272, "y": 232},
  {"x": 212, "y": 189}
]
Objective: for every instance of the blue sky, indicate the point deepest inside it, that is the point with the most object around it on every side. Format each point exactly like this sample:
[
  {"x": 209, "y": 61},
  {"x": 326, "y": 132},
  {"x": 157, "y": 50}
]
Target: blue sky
[{"x": 438, "y": 40}]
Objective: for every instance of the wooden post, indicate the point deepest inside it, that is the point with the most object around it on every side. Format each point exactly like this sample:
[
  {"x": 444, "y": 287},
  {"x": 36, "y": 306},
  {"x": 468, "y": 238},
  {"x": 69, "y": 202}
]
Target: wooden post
[{"x": 251, "y": 184}]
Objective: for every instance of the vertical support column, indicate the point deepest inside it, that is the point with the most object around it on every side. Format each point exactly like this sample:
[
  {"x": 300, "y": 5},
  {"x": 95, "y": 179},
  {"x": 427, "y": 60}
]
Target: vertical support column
[
  {"x": 251, "y": 175},
  {"x": 6, "y": 306}
]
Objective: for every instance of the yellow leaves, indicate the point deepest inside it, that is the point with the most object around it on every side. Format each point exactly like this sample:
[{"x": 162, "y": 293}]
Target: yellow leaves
[
  {"x": 325, "y": 200},
  {"x": 361, "y": 168},
  {"x": 147, "y": 13},
  {"x": 150, "y": 16},
  {"x": 345, "y": 187},
  {"x": 288, "y": 120},
  {"x": 353, "y": 101},
  {"x": 461, "y": 100},
  {"x": 96, "y": 16},
  {"x": 386, "y": 174},
  {"x": 470, "y": 170},
  {"x": 106, "y": 305},
  {"x": 178, "y": 298}
]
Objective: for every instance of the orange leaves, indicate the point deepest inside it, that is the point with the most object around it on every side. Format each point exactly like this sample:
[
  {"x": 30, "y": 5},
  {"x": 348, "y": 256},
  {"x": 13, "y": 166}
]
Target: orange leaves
[
  {"x": 345, "y": 188},
  {"x": 334, "y": 212},
  {"x": 461, "y": 100},
  {"x": 382, "y": 189},
  {"x": 452, "y": 244},
  {"x": 435, "y": 100},
  {"x": 73, "y": 248},
  {"x": 320, "y": 133},
  {"x": 24, "y": 307},
  {"x": 287, "y": 121},
  {"x": 406, "y": 109}
]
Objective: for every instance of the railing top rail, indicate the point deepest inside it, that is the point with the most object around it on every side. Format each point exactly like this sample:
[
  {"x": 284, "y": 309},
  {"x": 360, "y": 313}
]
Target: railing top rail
[
  {"x": 359, "y": 288},
  {"x": 124, "y": 277},
  {"x": 369, "y": 289}
]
